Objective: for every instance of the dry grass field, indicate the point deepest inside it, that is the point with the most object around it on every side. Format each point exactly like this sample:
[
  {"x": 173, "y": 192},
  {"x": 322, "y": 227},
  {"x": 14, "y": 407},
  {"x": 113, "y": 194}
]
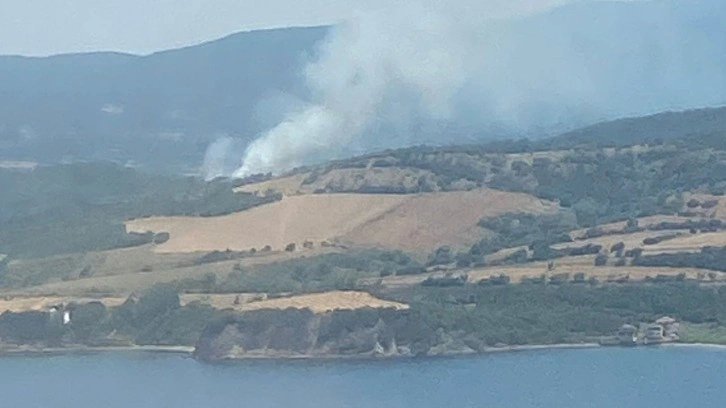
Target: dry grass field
[
  {"x": 570, "y": 265},
  {"x": 317, "y": 302},
  {"x": 121, "y": 284},
  {"x": 340, "y": 180},
  {"x": 22, "y": 303},
  {"x": 417, "y": 223}
]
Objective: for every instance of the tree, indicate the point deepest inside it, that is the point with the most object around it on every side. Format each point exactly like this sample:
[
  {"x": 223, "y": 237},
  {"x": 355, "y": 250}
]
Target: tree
[
  {"x": 587, "y": 210},
  {"x": 86, "y": 272},
  {"x": 410, "y": 270},
  {"x": 495, "y": 280},
  {"x": 579, "y": 277},
  {"x": 632, "y": 223},
  {"x": 87, "y": 320},
  {"x": 559, "y": 279},
  {"x": 541, "y": 251},
  {"x": 209, "y": 283},
  {"x": 693, "y": 203},
  {"x": 517, "y": 257},
  {"x": 155, "y": 302},
  {"x": 618, "y": 249},
  {"x": 601, "y": 260},
  {"x": 442, "y": 256},
  {"x": 463, "y": 260},
  {"x": 161, "y": 237},
  {"x": 634, "y": 253}
]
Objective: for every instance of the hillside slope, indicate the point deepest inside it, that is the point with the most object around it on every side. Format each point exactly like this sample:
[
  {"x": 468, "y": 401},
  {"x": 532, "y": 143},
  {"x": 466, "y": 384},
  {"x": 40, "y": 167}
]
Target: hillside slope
[
  {"x": 417, "y": 223},
  {"x": 700, "y": 126},
  {"x": 161, "y": 110}
]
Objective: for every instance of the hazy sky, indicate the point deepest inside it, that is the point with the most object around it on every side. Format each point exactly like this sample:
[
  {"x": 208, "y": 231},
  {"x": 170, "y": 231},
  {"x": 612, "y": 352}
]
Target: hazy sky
[{"x": 42, "y": 27}]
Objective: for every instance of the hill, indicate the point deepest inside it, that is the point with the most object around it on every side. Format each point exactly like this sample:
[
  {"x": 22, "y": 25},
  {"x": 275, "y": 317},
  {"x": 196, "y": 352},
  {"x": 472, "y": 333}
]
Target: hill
[
  {"x": 415, "y": 199},
  {"x": 162, "y": 111},
  {"x": 81, "y": 207},
  {"x": 693, "y": 127},
  {"x": 414, "y": 223},
  {"x": 443, "y": 249}
]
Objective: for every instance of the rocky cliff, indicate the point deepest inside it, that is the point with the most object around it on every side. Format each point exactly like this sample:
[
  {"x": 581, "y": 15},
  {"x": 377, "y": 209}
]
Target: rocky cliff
[{"x": 301, "y": 333}]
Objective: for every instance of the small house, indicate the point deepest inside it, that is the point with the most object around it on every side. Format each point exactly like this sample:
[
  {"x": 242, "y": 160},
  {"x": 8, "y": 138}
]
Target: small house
[
  {"x": 663, "y": 330},
  {"x": 654, "y": 333},
  {"x": 670, "y": 327},
  {"x": 627, "y": 335}
]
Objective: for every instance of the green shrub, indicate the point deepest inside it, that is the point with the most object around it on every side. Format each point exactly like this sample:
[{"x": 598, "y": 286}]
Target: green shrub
[{"x": 601, "y": 260}]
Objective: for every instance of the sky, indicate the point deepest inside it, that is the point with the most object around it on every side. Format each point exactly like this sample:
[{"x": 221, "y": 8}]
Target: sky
[{"x": 46, "y": 27}]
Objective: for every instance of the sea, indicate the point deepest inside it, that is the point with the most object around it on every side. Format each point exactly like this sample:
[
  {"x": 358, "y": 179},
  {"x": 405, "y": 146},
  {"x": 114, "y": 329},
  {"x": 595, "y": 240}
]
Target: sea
[{"x": 604, "y": 377}]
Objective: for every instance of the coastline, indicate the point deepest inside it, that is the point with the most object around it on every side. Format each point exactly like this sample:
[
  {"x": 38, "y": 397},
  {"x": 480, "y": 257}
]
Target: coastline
[
  {"x": 16, "y": 350},
  {"x": 696, "y": 345},
  {"x": 535, "y": 347},
  {"x": 384, "y": 357}
]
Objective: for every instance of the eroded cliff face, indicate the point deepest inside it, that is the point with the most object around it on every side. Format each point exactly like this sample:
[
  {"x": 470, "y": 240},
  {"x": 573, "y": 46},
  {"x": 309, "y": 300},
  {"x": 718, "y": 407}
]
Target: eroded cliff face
[{"x": 295, "y": 333}]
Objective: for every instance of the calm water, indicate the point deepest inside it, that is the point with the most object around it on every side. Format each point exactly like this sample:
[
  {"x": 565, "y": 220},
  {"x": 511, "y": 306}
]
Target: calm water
[{"x": 656, "y": 377}]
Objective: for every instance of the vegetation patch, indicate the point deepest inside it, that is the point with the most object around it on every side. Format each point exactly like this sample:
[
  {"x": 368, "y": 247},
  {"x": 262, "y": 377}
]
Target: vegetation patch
[{"x": 82, "y": 207}]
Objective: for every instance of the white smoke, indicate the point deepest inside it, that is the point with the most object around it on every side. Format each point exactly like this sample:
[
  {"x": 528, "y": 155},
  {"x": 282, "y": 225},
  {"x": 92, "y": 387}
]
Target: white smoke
[
  {"x": 360, "y": 67},
  {"x": 214, "y": 158},
  {"x": 381, "y": 75}
]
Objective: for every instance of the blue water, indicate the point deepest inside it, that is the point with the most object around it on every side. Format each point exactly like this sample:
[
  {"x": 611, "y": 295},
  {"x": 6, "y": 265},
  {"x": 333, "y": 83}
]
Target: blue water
[{"x": 652, "y": 377}]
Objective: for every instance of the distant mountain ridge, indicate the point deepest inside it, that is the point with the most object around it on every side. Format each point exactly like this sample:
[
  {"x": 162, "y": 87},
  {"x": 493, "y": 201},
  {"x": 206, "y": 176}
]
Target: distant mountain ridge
[
  {"x": 167, "y": 106},
  {"x": 697, "y": 126},
  {"x": 163, "y": 110}
]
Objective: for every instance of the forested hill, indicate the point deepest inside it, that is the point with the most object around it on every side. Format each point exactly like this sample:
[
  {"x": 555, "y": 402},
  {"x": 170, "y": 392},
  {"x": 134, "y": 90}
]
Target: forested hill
[
  {"x": 704, "y": 127},
  {"x": 81, "y": 207},
  {"x": 164, "y": 108}
]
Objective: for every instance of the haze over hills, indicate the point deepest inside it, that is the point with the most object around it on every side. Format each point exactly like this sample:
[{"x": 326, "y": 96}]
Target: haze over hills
[
  {"x": 163, "y": 108},
  {"x": 412, "y": 251},
  {"x": 528, "y": 77},
  {"x": 699, "y": 125}
]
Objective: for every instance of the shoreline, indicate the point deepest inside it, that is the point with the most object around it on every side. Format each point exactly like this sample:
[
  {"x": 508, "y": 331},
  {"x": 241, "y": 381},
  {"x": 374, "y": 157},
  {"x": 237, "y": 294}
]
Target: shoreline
[
  {"x": 188, "y": 351},
  {"x": 696, "y": 345},
  {"x": 535, "y": 347},
  {"x": 15, "y": 350}
]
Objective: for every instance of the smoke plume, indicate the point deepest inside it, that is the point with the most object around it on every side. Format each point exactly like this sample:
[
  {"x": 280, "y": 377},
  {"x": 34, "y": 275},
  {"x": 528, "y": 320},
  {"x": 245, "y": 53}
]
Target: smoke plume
[
  {"x": 404, "y": 74},
  {"x": 215, "y": 157},
  {"x": 367, "y": 64}
]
